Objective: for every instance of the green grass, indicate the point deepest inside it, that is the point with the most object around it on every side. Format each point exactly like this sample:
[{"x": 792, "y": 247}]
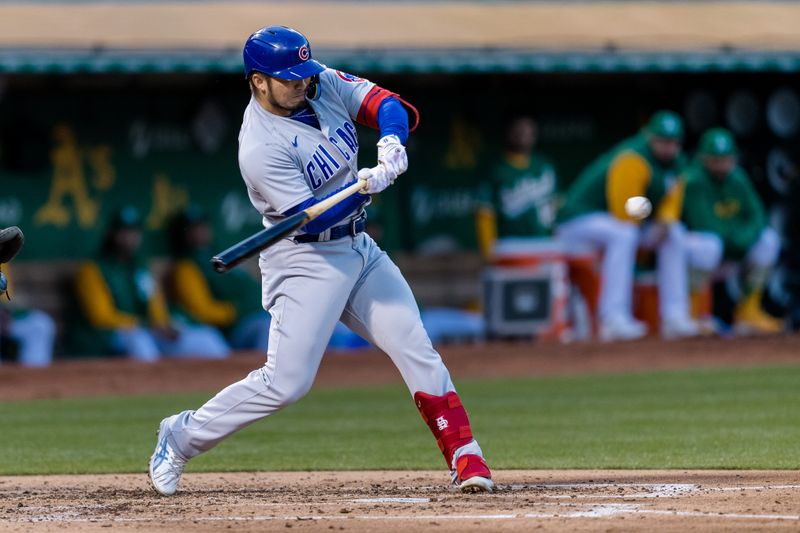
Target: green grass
[{"x": 700, "y": 419}]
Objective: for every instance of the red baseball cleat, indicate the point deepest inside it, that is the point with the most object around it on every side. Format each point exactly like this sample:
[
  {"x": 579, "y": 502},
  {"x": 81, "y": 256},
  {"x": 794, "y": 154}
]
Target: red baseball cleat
[{"x": 472, "y": 474}]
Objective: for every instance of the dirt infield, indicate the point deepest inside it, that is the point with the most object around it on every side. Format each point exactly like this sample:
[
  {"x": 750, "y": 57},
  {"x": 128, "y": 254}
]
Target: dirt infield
[
  {"x": 409, "y": 501},
  {"x": 490, "y": 360}
]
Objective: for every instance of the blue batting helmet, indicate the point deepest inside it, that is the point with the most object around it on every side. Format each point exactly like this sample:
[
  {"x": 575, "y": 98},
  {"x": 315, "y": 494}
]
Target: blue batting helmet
[{"x": 280, "y": 52}]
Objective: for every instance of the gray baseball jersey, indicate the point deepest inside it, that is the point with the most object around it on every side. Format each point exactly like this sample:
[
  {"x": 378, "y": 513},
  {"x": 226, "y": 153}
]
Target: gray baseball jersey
[
  {"x": 308, "y": 287},
  {"x": 284, "y": 161}
]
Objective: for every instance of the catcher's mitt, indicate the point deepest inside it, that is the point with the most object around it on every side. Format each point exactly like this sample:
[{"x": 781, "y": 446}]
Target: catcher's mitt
[{"x": 11, "y": 240}]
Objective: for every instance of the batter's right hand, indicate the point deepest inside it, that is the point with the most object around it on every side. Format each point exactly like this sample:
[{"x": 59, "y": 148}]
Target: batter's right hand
[{"x": 377, "y": 179}]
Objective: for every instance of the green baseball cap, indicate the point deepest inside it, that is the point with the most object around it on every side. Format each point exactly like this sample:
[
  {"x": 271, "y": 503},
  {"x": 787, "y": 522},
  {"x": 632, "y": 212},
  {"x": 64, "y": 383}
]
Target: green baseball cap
[
  {"x": 665, "y": 124},
  {"x": 717, "y": 142}
]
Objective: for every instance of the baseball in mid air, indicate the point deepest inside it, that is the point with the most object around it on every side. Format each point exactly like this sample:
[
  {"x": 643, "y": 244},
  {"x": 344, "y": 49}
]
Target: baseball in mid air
[{"x": 638, "y": 207}]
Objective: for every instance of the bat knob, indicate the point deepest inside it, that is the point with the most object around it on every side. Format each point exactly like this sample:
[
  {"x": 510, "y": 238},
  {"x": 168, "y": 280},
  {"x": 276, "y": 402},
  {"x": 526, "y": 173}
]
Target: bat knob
[{"x": 219, "y": 265}]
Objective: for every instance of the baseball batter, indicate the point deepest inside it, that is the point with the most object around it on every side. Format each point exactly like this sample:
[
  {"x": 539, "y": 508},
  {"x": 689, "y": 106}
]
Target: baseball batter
[{"x": 298, "y": 145}]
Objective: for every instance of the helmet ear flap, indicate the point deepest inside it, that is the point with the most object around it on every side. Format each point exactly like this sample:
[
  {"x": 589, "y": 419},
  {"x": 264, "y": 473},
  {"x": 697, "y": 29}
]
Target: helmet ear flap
[{"x": 313, "y": 88}]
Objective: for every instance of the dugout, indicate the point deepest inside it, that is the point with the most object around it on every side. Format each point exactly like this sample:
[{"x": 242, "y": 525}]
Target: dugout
[{"x": 141, "y": 102}]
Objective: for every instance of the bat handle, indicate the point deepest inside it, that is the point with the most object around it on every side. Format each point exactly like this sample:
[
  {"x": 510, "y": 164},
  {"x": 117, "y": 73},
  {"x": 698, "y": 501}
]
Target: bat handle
[{"x": 227, "y": 259}]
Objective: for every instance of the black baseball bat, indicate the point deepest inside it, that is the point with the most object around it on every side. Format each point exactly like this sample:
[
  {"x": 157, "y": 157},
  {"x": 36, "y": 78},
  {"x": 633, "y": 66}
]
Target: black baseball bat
[{"x": 226, "y": 260}]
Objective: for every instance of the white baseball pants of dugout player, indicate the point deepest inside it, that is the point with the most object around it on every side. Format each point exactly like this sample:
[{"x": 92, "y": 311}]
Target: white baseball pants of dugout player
[{"x": 618, "y": 241}]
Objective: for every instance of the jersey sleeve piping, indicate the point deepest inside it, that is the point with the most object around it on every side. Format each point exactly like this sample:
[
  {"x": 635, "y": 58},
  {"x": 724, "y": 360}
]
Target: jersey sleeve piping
[{"x": 289, "y": 206}]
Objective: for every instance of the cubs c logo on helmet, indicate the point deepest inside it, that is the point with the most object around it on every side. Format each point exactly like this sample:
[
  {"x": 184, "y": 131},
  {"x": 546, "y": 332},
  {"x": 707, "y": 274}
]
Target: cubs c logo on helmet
[{"x": 304, "y": 53}]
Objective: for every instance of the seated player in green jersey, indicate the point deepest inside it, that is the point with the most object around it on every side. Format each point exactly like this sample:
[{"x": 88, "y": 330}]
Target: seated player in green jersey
[
  {"x": 647, "y": 164},
  {"x": 231, "y": 302},
  {"x": 521, "y": 192},
  {"x": 727, "y": 224},
  {"x": 122, "y": 309}
]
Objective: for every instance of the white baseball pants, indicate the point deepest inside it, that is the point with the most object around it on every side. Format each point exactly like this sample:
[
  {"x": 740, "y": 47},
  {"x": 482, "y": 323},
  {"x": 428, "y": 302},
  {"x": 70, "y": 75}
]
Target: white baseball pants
[
  {"x": 307, "y": 288},
  {"x": 706, "y": 250}
]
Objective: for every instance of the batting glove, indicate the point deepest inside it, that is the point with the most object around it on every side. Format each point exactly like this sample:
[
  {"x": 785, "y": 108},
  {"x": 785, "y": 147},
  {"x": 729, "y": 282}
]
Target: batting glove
[
  {"x": 377, "y": 179},
  {"x": 392, "y": 155}
]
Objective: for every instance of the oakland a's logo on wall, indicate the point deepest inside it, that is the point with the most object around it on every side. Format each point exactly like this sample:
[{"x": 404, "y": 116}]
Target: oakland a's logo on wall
[{"x": 304, "y": 53}]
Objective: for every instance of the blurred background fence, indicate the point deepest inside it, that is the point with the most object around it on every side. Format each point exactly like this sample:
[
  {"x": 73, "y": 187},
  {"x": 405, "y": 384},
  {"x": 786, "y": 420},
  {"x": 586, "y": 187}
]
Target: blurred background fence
[{"x": 111, "y": 103}]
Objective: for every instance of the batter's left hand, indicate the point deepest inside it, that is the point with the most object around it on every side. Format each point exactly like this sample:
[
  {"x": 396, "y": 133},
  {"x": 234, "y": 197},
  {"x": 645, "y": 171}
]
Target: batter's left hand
[{"x": 392, "y": 155}]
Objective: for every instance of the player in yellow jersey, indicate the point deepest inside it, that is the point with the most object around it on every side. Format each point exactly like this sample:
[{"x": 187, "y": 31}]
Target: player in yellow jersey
[{"x": 648, "y": 164}]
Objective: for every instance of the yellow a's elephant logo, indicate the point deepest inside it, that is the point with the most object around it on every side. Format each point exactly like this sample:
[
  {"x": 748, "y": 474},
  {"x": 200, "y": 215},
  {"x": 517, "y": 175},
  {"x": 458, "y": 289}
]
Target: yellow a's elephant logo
[{"x": 69, "y": 181}]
